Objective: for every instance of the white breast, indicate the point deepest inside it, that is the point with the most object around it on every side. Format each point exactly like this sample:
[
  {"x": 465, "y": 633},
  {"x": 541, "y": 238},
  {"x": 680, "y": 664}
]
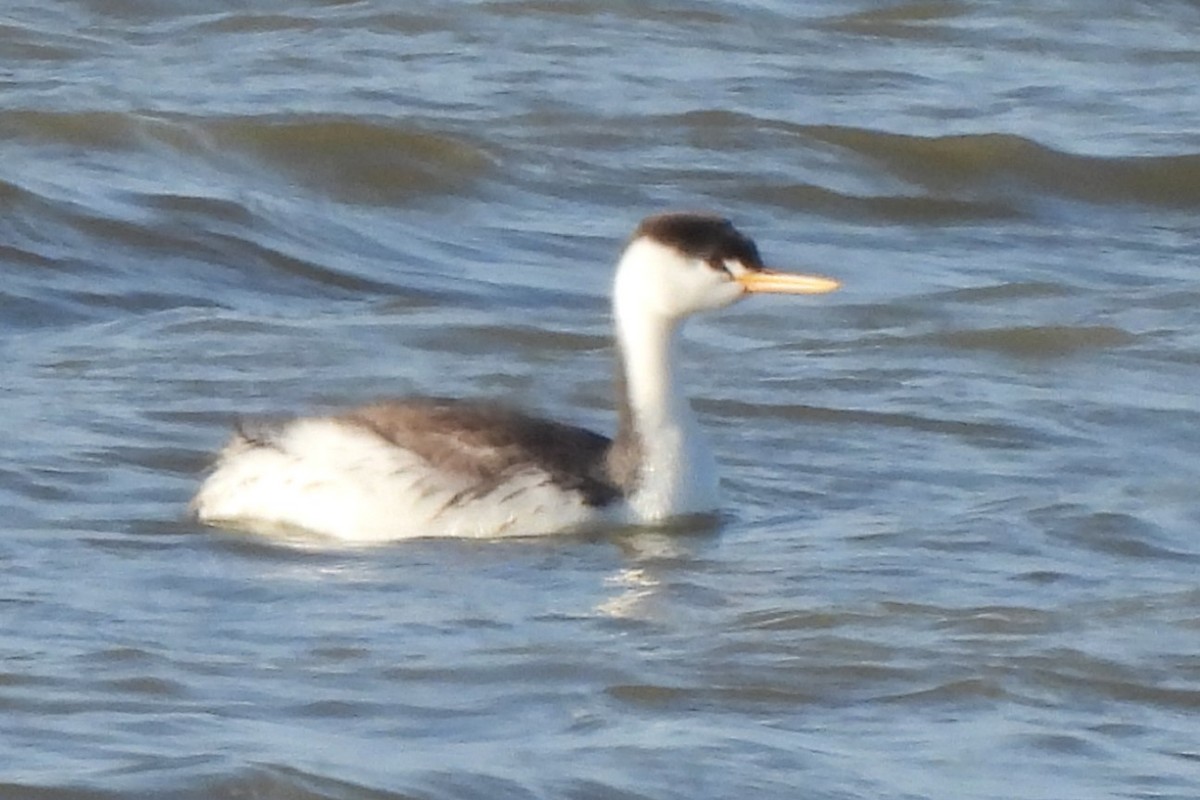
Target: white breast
[{"x": 678, "y": 474}]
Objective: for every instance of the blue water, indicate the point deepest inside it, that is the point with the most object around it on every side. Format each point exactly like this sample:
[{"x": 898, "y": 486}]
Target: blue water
[{"x": 958, "y": 555}]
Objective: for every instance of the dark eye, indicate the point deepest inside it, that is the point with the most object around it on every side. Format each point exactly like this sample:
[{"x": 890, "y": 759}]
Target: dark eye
[{"x": 718, "y": 264}]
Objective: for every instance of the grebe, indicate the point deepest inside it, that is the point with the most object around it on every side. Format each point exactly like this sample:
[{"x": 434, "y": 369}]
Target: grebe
[{"x": 452, "y": 468}]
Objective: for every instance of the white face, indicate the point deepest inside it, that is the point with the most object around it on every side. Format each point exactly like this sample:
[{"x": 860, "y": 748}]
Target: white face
[{"x": 662, "y": 280}]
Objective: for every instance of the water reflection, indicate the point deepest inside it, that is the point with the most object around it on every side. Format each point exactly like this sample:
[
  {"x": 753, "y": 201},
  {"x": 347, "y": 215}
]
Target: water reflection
[{"x": 638, "y": 585}]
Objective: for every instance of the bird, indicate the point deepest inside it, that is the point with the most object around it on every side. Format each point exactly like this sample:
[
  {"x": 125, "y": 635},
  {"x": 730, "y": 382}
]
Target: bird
[{"x": 440, "y": 467}]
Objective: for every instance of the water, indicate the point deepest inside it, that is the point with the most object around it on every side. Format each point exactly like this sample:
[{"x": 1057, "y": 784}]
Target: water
[{"x": 959, "y": 553}]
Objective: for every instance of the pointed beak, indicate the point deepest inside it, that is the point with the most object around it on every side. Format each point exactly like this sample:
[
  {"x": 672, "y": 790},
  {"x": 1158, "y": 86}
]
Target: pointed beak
[{"x": 769, "y": 281}]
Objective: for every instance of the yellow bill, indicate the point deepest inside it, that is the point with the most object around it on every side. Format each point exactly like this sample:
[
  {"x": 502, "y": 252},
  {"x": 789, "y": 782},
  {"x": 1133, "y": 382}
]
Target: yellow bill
[{"x": 776, "y": 282}]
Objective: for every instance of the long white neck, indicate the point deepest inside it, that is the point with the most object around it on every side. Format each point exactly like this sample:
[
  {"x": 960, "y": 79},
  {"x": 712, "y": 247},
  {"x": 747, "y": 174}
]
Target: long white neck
[
  {"x": 648, "y": 350},
  {"x": 675, "y": 471}
]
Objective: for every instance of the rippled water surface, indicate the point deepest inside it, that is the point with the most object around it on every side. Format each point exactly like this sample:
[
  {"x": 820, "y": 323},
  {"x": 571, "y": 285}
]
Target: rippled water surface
[{"x": 960, "y": 550}]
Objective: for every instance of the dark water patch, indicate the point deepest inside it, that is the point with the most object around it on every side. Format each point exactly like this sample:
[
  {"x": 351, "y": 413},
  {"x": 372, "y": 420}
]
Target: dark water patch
[
  {"x": 911, "y": 20},
  {"x": 899, "y": 315},
  {"x": 1063, "y": 744},
  {"x": 910, "y": 210},
  {"x": 246, "y": 22},
  {"x": 659, "y": 697},
  {"x": 202, "y": 257},
  {"x": 269, "y": 781},
  {"x": 992, "y": 161},
  {"x": 351, "y": 159},
  {"x": 394, "y": 20},
  {"x": 518, "y": 667},
  {"x": 1001, "y": 292},
  {"x": 48, "y": 791},
  {"x": 1035, "y": 341},
  {"x": 590, "y": 789},
  {"x": 24, "y": 680},
  {"x": 795, "y": 412},
  {"x": 336, "y": 709},
  {"x": 675, "y": 13},
  {"x": 40, "y": 45},
  {"x": 563, "y": 132},
  {"x": 157, "y": 458},
  {"x": 20, "y": 311},
  {"x": 955, "y": 693},
  {"x": 1043, "y": 577},
  {"x": 121, "y": 656},
  {"x": 145, "y": 685},
  {"x": 50, "y": 290},
  {"x": 112, "y": 131},
  {"x": 473, "y": 783},
  {"x": 1182, "y": 299},
  {"x": 1001, "y": 621},
  {"x": 968, "y": 177},
  {"x": 789, "y": 620},
  {"x": 1070, "y": 672},
  {"x": 238, "y": 252},
  {"x": 972, "y": 619},
  {"x": 216, "y": 322},
  {"x": 356, "y": 160},
  {"x": 1118, "y": 535},
  {"x": 725, "y": 121},
  {"x": 12, "y": 195},
  {"x": 196, "y": 208},
  {"x": 1175, "y": 609},
  {"x": 523, "y": 339},
  {"x": 133, "y": 235},
  {"x": 338, "y": 654}
]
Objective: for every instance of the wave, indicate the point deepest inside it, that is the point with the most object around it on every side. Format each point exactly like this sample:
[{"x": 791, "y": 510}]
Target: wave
[
  {"x": 1035, "y": 341},
  {"x": 187, "y": 780},
  {"x": 908, "y": 209},
  {"x": 1078, "y": 672},
  {"x": 974, "y": 175},
  {"x": 93, "y": 130},
  {"x": 200, "y": 235},
  {"x": 795, "y": 412},
  {"x": 580, "y": 8},
  {"x": 658, "y": 697},
  {"x": 30, "y": 791},
  {"x": 991, "y": 160},
  {"x": 353, "y": 160}
]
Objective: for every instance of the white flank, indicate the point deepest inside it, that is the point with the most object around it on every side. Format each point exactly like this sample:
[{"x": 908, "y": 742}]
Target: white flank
[{"x": 343, "y": 481}]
